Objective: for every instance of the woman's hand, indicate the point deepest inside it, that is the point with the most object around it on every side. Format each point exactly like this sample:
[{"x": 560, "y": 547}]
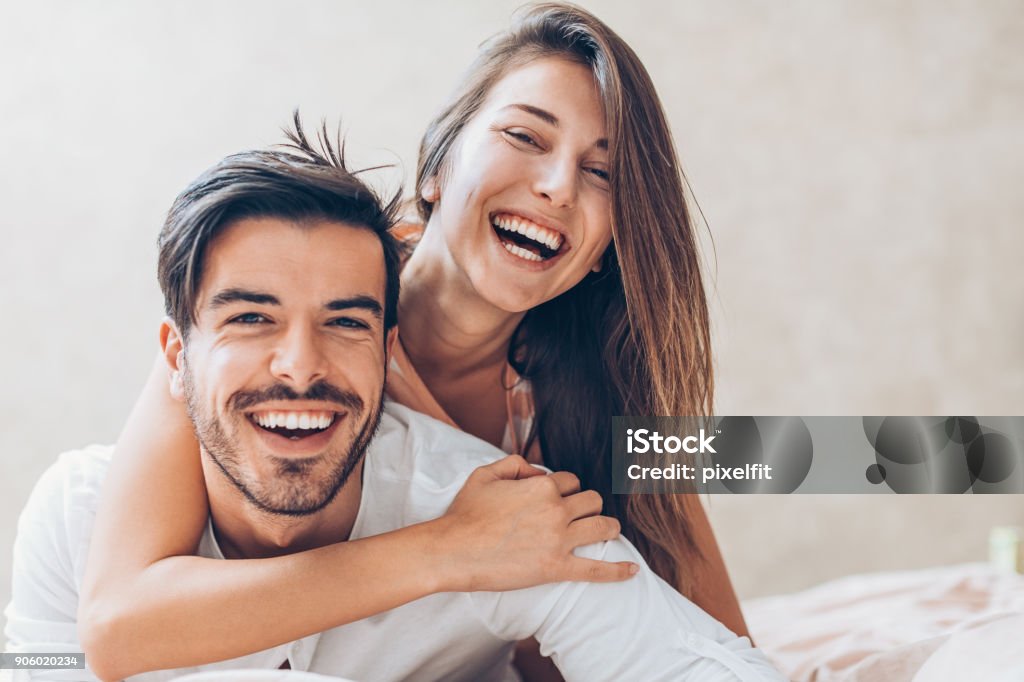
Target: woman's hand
[{"x": 513, "y": 526}]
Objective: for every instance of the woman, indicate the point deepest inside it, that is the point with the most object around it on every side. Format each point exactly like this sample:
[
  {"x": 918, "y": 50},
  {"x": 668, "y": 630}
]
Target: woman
[{"x": 556, "y": 283}]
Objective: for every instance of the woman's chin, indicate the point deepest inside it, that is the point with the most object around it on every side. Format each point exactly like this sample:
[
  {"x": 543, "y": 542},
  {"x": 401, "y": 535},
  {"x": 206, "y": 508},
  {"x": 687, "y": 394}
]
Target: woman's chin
[{"x": 508, "y": 296}]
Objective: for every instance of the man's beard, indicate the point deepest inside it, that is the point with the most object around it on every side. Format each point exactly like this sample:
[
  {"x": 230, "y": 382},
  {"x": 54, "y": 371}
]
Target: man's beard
[{"x": 294, "y": 488}]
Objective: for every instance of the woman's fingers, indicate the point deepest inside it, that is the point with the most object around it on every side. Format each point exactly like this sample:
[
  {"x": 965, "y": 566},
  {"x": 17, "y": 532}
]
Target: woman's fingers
[
  {"x": 593, "y": 529},
  {"x": 509, "y": 468},
  {"x": 593, "y": 571},
  {"x": 567, "y": 483},
  {"x": 503, "y": 534},
  {"x": 581, "y": 505}
]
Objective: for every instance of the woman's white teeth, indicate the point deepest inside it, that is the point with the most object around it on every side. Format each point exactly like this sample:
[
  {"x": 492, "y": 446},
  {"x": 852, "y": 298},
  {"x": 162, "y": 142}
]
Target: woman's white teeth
[
  {"x": 294, "y": 420},
  {"x": 542, "y": 235},
  {"x": 521, "y": 252}
]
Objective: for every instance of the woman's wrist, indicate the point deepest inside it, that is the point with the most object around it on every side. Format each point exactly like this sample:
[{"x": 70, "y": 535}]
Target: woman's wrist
[{"x": 439, "y": 569}]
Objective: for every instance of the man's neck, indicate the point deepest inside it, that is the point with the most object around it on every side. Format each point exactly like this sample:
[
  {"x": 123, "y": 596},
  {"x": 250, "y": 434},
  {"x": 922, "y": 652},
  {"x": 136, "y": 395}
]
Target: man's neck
[{"x": 245, "y": 532}]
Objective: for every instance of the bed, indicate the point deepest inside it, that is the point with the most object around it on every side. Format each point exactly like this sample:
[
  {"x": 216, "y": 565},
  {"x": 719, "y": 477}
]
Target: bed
[{"x": 963, "y": 622}]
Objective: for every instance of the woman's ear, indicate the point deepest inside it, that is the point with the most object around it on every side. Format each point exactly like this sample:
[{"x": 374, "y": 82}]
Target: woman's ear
[
  {"x": 389, "y": 344},
  {"x": 599, "y": 265},
  {"x": 174, "y": 355},
  {"x": 431, "y": 191}
]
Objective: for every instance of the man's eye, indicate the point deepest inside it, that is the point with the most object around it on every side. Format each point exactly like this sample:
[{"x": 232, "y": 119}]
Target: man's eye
[
  {"x": 348, "y": 323},
  {"x": 248, "y": 318}
]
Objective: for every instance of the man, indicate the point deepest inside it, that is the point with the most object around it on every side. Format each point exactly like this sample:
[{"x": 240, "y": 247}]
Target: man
[{"x": 282, "y": 286}]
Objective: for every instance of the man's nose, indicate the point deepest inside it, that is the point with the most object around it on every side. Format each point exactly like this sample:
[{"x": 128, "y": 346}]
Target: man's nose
[
  {"x": 299, "y": 359},
  {"x": 557, "y": 182}
]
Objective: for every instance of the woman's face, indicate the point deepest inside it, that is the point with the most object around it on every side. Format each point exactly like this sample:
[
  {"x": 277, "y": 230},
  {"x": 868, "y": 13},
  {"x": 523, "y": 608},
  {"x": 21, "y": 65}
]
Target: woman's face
[{"x": 524, "y": 207}]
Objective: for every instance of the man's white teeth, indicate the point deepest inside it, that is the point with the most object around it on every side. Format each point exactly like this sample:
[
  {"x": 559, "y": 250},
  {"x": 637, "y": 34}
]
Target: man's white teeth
[
  {"x": 521, "y": 252},
  {"x": 542, "y": 235},
  {"x": 294, "y": 420}
]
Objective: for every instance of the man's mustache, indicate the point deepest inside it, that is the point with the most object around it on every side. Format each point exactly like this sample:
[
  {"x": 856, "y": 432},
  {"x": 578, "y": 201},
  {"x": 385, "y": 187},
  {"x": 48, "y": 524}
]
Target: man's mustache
[{"x": 320, "y": 391}]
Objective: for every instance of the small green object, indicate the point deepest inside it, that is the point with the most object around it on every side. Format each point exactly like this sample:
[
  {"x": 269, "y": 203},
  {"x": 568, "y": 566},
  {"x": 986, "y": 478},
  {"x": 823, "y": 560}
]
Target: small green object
[{"x": 1006, "y": 548}]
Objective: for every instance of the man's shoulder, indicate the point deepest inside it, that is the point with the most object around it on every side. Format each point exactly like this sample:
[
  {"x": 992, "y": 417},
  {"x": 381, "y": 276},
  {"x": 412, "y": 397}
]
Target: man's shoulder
[
  {"x": 411, "y": 443},
  {"x": 416, "y": 465},
  {"x": 62, "y": 506},
  {"x": 72, "y": 482},
  {"x": 50, "y": 549}
]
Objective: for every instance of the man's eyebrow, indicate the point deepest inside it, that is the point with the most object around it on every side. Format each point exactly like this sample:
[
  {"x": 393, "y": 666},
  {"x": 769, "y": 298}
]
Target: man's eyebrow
[
  {"x": 548, "y": 117},
  {"x": 362, "y": 302},
  {"x": 228, "y": 296}
]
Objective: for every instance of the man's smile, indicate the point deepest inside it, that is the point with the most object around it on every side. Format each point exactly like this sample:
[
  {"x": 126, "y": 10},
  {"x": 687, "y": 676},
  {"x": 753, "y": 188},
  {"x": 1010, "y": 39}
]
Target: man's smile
[
  {"x": 295, "y": 433},
  {"x": 303, "y": 421}
]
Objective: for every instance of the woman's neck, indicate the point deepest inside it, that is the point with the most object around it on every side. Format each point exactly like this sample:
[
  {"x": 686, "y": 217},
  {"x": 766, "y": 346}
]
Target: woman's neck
[{"x": 448, "y": 331}]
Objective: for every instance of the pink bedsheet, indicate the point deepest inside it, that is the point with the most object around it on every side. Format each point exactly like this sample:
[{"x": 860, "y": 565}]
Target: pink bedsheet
[{"x": 950, "y": 623}]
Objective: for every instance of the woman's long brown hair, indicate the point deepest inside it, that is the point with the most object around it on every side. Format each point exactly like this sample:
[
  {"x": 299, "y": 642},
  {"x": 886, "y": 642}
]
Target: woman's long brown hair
[{"x": 633, "y": 339}]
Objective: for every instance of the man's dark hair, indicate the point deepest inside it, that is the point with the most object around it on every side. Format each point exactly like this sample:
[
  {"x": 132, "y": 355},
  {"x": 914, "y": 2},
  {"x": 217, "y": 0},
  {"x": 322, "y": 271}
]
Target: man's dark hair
[{"x": 296, "y": 181}]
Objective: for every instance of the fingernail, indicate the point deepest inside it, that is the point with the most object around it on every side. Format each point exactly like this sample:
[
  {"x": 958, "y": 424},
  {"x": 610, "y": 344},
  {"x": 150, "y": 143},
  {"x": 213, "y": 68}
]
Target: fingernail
[{"x": 633, "y": 569}]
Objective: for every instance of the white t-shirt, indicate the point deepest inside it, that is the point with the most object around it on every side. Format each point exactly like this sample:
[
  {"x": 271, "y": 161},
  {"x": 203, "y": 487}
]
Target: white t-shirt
[{"x": 639, "y": 629}]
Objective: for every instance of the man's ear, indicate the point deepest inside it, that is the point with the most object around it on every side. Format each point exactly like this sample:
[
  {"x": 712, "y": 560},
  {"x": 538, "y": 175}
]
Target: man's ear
[
  {"x": 174, "y": 355},
  {"x": 389, "y": 345}
]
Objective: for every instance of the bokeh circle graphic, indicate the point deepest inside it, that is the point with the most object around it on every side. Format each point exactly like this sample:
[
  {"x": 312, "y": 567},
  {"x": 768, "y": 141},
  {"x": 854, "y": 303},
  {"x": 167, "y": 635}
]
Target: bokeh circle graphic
[
  {"x": 875, "y": 473},
  {"x": 940, "y": 455},
  {"x": 783, "y": 443}
]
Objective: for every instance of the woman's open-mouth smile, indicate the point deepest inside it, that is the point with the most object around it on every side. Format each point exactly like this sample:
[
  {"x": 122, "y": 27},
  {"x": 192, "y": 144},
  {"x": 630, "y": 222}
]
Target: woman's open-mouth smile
[{"x": 528, "y": 243}]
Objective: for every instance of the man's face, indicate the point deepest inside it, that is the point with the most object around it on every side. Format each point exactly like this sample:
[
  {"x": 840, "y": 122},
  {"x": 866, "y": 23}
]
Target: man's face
[{"x": 283, "y": 371}]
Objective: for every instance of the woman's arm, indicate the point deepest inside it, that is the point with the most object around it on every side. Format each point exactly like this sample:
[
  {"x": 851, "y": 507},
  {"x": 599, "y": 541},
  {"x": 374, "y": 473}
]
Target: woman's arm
[
  {"x": 711, "y": 588},
  {"x": 139, "y": 585}
]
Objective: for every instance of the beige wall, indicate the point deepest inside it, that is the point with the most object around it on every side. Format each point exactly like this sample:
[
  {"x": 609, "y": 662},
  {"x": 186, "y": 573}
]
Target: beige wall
[{"x": 859, "y": 165}]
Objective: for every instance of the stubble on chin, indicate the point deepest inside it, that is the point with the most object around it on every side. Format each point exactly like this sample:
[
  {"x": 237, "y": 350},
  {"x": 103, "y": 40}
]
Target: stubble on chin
[{"x": 288, "y": 487}]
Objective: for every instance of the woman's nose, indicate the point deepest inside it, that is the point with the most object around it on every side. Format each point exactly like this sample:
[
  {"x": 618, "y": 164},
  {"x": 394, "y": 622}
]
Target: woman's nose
[{"x": 556, "y": 182}]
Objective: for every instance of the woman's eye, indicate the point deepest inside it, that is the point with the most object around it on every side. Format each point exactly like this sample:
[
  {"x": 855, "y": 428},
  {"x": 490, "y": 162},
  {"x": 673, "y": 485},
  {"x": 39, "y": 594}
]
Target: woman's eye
[
  {"x": 599, "y": 173},
  {"x": 248, "y": 318},
  {"x": 522, "y": 137}
]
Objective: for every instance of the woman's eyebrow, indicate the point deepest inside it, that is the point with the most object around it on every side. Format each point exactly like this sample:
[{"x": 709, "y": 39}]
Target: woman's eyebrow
[
  {"x": 551, "y": 119},
  {"x": 542, "y": 114}
]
